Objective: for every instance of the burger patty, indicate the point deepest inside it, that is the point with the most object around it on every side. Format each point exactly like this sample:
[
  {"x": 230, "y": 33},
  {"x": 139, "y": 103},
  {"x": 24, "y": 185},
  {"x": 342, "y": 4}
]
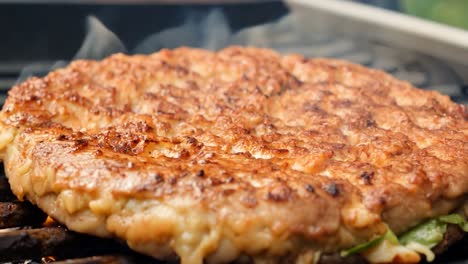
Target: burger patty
[{"x": 233, "y": 155}]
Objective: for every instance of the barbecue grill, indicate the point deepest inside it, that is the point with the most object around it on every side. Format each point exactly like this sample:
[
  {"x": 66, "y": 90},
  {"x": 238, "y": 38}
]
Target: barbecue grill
[{"x": 27, "y": 235}]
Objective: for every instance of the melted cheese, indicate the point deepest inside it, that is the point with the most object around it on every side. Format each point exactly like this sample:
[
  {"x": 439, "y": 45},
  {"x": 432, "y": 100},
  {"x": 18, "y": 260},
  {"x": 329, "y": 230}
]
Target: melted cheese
[
  {"x": 425, "y": 250},
  {"x": 388, "y": 252}
]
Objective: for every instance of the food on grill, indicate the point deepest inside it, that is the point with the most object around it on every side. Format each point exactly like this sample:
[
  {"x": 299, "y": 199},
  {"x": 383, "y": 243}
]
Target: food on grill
[
  {"x": 28, "y": 239},
  {"x": 241, "y": 154}
]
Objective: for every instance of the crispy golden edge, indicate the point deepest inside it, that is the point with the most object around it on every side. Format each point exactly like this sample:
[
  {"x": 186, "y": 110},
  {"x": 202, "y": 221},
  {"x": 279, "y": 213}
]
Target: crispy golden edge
[{"x": 270, "y": 130}]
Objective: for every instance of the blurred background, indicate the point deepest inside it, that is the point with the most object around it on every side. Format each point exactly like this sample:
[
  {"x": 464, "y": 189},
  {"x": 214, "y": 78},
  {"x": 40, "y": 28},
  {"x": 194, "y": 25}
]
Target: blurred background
[
  {"x": 37, "y": 36},
  {"x": 53, "y": 30},
  {"x": 451, "y": 12}
]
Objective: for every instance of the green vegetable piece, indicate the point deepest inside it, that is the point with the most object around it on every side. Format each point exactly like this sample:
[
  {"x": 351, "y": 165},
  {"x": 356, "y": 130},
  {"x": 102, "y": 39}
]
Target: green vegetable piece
[
  {"x": 429, "y": 233},
  {"x": 363, "y": 246},
  {"x": 455, "y": 219},
  {"x": 390, "y": 236}
]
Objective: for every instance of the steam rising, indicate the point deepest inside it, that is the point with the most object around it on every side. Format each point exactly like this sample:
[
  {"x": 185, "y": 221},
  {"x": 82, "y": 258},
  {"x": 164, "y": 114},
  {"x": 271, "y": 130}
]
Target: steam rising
[
  {"x": 286, "y": 35},
  {"x": 99, "y": 42},
  {"x": 211, "y": 32}
]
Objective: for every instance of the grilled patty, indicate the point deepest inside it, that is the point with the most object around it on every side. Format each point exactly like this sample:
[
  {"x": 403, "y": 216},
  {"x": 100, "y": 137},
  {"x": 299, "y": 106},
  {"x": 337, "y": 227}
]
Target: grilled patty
[{"x": 232, "y": 155}]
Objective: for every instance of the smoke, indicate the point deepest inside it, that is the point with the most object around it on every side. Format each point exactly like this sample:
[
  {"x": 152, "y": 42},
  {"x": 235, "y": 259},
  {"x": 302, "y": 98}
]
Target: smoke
[
  {"x": 286, "y": 35},
  {"x": 99, "y": 42},
  {"x": 211, "y": 32}
]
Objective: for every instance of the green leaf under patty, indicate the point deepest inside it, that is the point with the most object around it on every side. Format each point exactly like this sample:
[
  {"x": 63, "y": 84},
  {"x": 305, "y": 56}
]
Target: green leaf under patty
[
  {"x": 429, "y": 233},
  {"x": 455, "y": 219},
  {"x": 362, "y": 247},
  {"x": 389, "y": 235}
]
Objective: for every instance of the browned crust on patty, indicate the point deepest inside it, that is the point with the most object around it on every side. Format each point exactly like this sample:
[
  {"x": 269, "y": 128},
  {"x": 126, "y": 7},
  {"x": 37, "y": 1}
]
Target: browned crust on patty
[{"x": 343, "y": 149}]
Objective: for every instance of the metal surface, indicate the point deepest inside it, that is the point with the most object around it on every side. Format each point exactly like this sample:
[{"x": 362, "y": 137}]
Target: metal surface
[{"x": 396, "y": 29}]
